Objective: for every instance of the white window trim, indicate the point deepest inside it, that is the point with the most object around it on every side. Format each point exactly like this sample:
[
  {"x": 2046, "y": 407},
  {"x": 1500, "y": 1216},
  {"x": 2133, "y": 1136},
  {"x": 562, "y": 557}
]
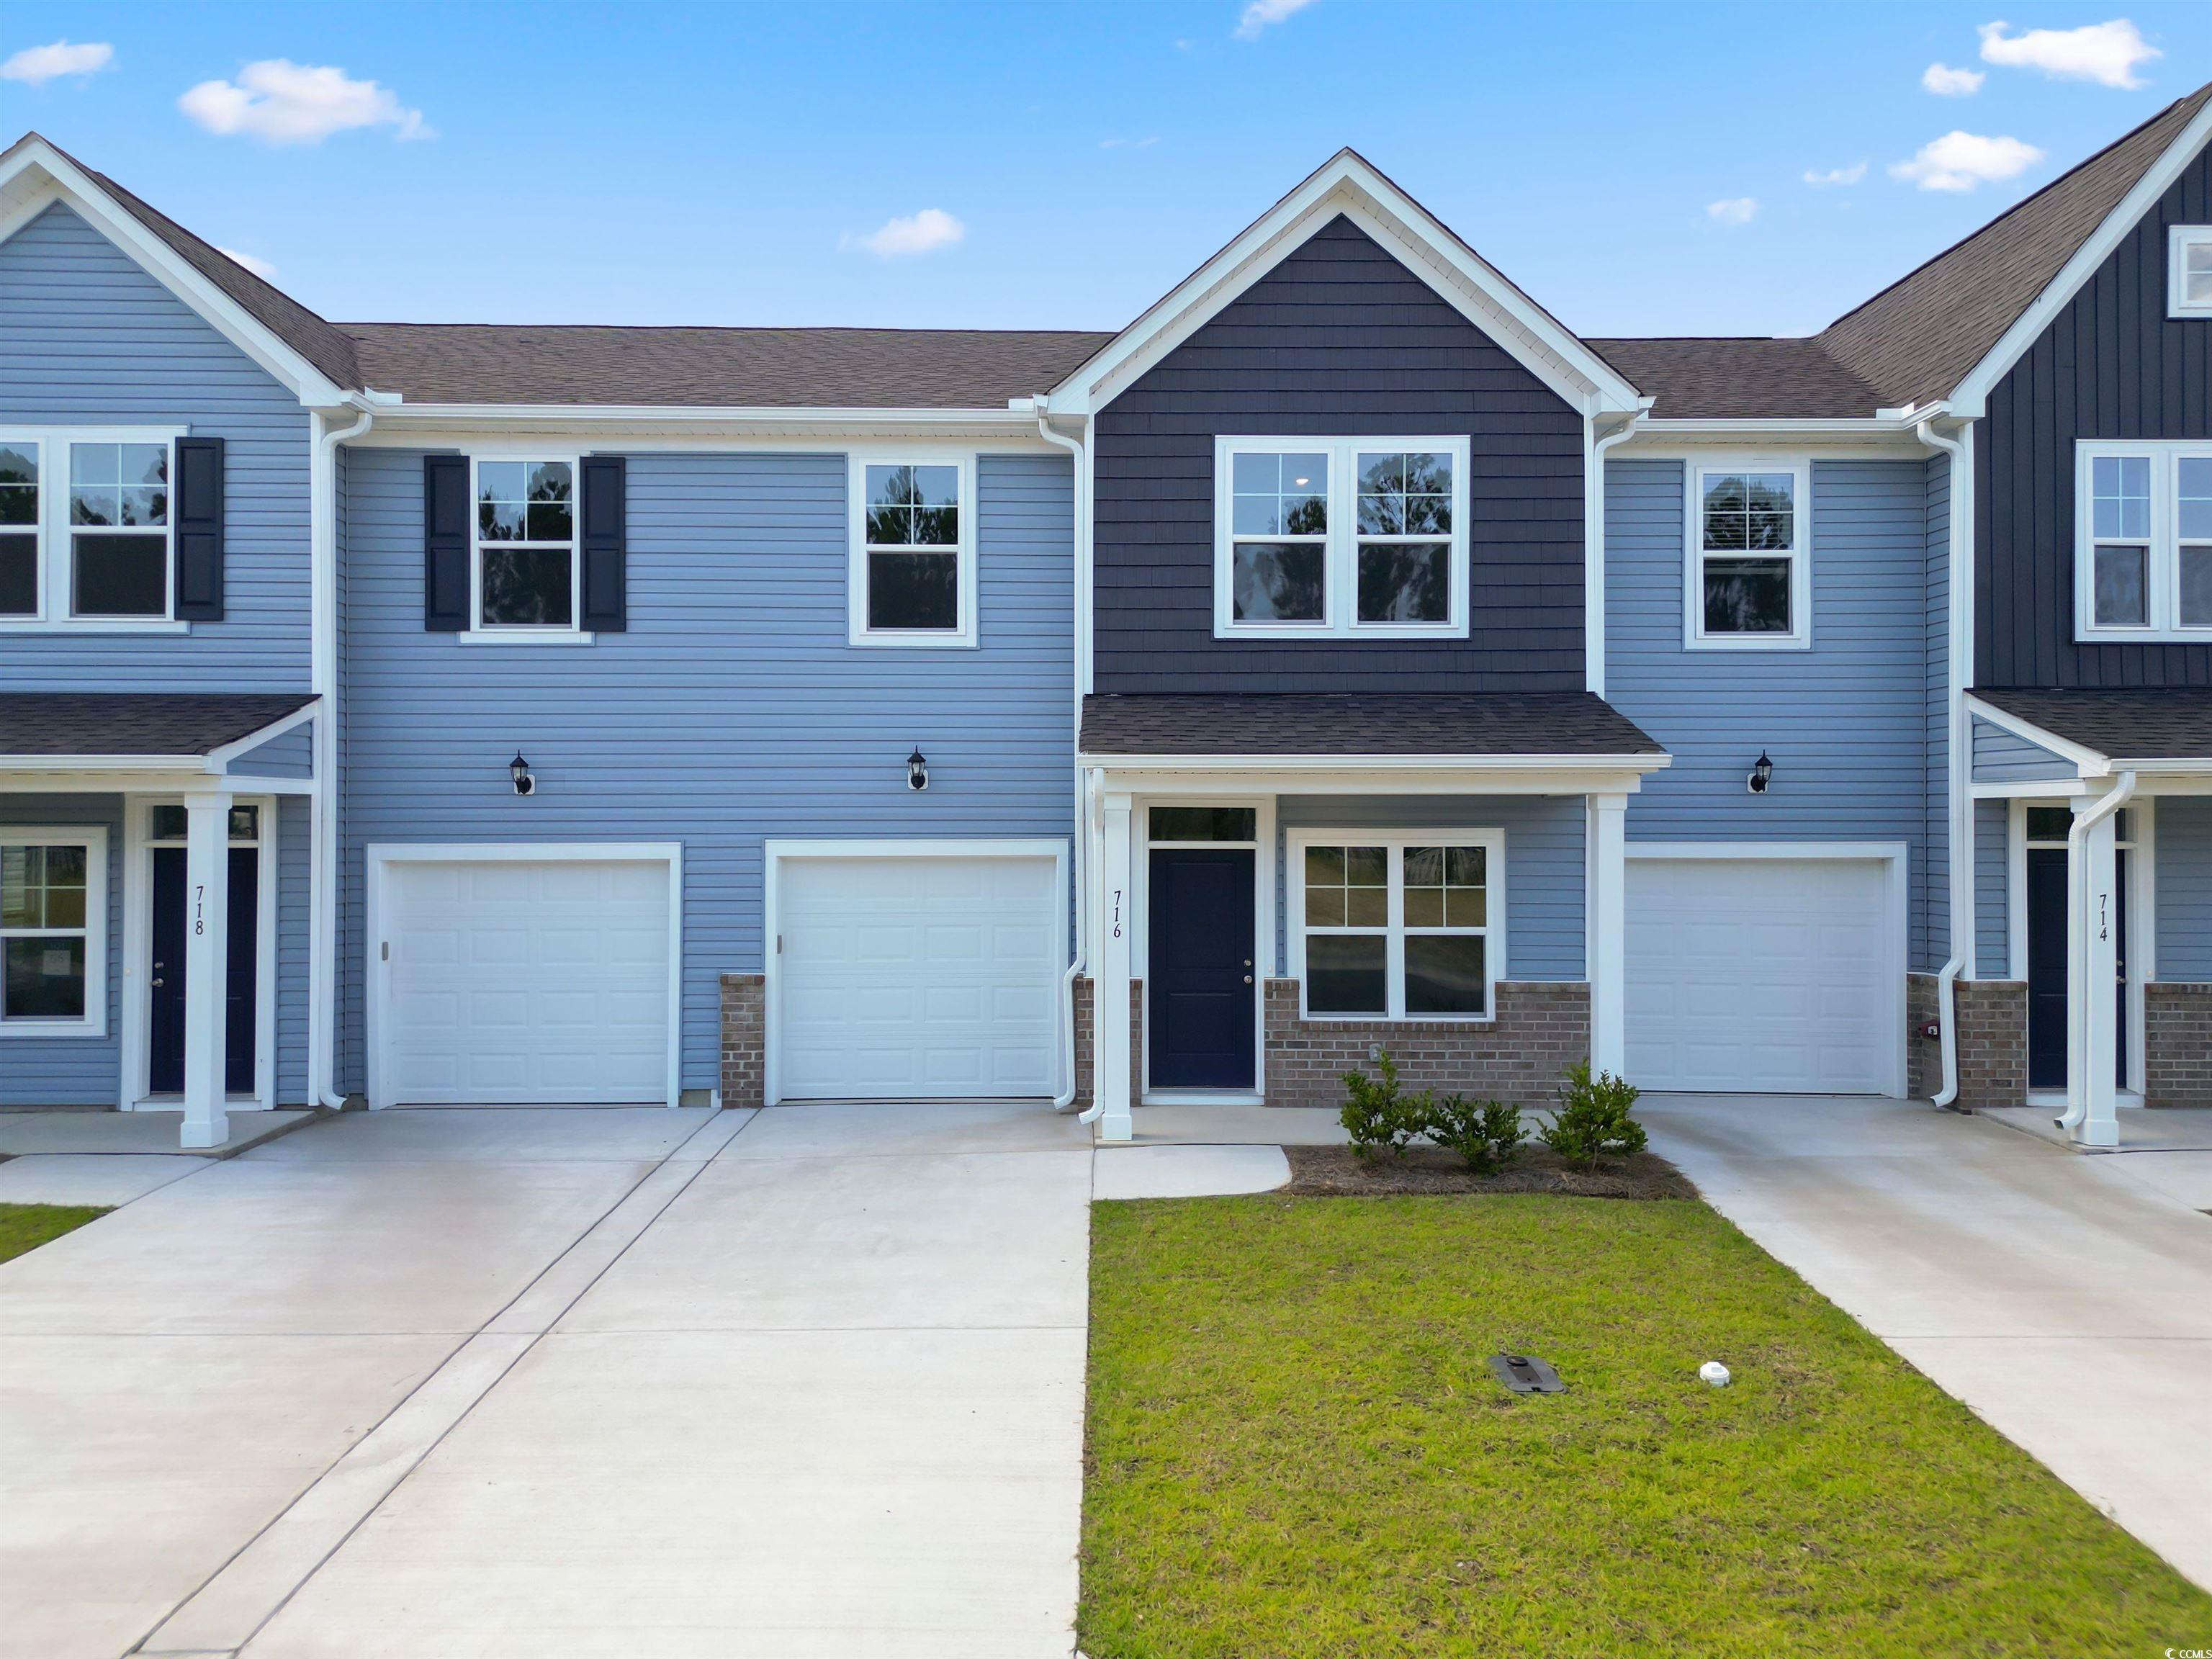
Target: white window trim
[
  {"x": 1396, "y": 840},
  {"x": 2162, "y": 578},
  {"x": 1800, "y": 636},
  {"x": 53, "y": 615},
  {"x": 1340, "y": 558},
  {"x": 962, "y": 637},
  {"x": 479, "y": 632},
  {"x": 94, "y": 839},
  {"x": 2179, "y": 239}
]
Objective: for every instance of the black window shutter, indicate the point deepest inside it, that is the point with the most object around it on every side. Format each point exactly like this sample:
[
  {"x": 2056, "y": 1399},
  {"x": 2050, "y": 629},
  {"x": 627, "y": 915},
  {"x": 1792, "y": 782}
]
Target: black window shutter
[
  {"x": 606, "y": 519},
  {"x": 198, "y": 529},
  {"x": 445, "y": 544}
]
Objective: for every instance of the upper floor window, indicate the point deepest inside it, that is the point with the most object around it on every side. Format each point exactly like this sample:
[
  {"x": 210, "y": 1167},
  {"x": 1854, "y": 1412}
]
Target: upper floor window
[
  {"x": 1749, "y": 570},
  {"x": 912, "y": 566},
  {"x": 2189, "y": 277},
  {"x": 2143, "y": 540},
  {"x": 1339, "y": 536},
  {"x": 85, "y": 528},
  {"x": 525, "y": 575}
]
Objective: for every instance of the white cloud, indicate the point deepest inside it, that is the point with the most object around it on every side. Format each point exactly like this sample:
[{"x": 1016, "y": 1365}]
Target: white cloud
[
  {"x": 1948, "y": 82},
  {"x": 2106, "y": 53},
  {"x": 919, "y": 232},
  {"x": 1128, "y": 143},
  {"x": 282, "y": 102},
  {"x": 260, "y": 267},
  {"x": 1964, "y": 161},
  {"x": 36, "y": 66},
  {"x": 1736, "y": 211},
  {"x": 1261, "y": 14},
  {"x": 1850, "y": 175}
]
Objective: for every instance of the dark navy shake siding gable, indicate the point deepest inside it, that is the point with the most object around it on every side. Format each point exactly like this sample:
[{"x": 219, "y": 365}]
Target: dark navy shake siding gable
[
  {"x": 1845, "y": 723},
  {"x": 1338, "y": 339},
  {"x": 88, "y": 339},
  {"x": 732, "y": 710},
  {"x": 2111, "y": 365}
]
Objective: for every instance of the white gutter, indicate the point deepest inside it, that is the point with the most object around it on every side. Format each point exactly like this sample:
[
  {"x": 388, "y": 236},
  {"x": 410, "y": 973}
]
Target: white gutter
[
  {"x": 1593, "y": 545},
  {"x": 2077, "y": 911},
  {"x": 323, "y": 638},
  {"x": 1077, "y": 449},
  {"x": 1958, "y": 608}
]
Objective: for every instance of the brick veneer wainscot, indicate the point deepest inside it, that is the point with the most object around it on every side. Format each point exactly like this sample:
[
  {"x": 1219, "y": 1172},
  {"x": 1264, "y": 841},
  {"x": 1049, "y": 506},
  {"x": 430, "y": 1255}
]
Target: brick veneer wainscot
[
  {"x": 1992, "y": 1042},
  {"x": 745, "y": 1031},
  {"x": 1086, "y": 1037},
  {"x": 1541, "y": 1028},
  {"x": 2176, "y": 1044}
]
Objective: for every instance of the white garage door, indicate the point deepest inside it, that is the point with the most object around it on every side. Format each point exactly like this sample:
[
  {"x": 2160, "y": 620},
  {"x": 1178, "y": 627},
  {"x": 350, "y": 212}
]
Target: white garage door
[
  {"x": 918, "y": 978},
  {"x": 525, "y": 982},
  {"x": 1762, "y": 975}
]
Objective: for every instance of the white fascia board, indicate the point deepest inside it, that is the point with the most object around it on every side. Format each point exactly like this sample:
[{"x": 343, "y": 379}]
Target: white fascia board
[
  {"x": 1970, "y": 397},
  {"x": 2088, "y": 761},
  {"x": 20, "y": 191},
  {"x": 412, "y": 425},
  {"x": 1835, "y": 435},
  {"x": 223, "y": 754},
  {"x": 1636, "y": 763},
  {"x": 1348, "y": 185}
]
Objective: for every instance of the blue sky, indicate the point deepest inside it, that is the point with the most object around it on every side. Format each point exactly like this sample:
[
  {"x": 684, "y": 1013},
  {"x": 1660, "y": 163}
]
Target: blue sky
[{"x": 1640, "y": 169}]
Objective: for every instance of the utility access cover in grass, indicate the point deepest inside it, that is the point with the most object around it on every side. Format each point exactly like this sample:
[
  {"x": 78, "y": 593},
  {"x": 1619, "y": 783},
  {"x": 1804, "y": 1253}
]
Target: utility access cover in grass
[{"x": 1297, "y": 1447}]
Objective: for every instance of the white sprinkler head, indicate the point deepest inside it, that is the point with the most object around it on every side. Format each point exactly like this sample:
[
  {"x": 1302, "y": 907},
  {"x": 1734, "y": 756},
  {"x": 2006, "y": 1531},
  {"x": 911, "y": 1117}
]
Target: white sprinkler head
[{"x": 1714, "y": 1372}]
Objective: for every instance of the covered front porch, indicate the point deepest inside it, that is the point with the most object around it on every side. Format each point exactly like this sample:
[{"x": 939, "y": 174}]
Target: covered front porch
[
  {"x": 2094, "y": 858},
  {"x": 1283, "y": 888},
  {"x": 154, "y": 851}
]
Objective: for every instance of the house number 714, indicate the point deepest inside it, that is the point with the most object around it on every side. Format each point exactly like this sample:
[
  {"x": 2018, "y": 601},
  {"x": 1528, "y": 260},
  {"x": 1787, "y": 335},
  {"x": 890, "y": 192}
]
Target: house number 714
[{"x": 2104, "y": 920}]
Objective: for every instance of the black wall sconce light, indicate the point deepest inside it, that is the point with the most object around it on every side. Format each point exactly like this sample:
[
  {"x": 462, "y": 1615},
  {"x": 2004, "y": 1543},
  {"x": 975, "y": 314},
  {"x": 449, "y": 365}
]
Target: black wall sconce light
[
  {"x": 1761, "y": 774},
  {"x": 519, "y": 770},
  {"x": 917, "y": 771}
]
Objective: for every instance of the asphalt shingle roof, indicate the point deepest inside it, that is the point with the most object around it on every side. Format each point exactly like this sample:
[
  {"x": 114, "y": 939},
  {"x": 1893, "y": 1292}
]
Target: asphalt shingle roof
[
  {"x": 1574, "y": 723},
  {"x": 2172, "y": 723},
  {"x": 65, "y": 724},
  {"x": 1739, "y": 379}
]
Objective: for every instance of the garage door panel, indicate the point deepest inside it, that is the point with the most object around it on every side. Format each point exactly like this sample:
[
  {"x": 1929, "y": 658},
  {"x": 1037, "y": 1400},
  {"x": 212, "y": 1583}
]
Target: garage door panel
[
  {"x": 1765, "y": 974},
  {"x": 927, "y": 977}
]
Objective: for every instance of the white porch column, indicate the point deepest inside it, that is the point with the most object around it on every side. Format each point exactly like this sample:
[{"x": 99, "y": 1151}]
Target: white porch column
[
  {"x": 2094, "y": 1019},
  {"x": 1110, "y": 1048},
  {"x": 207, "y": 919},
  {"x": 1607, "y": 933}
]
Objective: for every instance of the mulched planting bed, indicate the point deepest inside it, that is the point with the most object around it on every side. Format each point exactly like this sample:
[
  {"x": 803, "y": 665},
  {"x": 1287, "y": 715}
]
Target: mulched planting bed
[{"x": 1339, "y": 1172}]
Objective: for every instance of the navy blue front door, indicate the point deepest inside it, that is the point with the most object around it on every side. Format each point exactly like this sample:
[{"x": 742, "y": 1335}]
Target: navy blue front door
[
  {"x": 2047, "y": 967},
  {"x": 1199, "y": 967},
  {"x": 165, "y": 1057}
]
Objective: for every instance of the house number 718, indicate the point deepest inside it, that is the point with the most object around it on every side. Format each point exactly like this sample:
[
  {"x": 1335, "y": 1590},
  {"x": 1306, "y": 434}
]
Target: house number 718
[{"x": 199, "y": 910}]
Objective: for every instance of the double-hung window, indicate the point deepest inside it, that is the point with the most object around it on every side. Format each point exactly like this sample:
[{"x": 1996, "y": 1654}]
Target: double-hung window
[
  {"x": 911, "y": 573},
  {"x": 1399, "y": 925},
  {"x": 1341, "y": 536},
  {"x": 2143, "y": 540},
  {"x": 1750, "y": 562},
  {"x": 524, "y": 573},
  {"x": 2188, "y": 274},
  {"x": 53, "y": 932},
  {"x": 85, "y": 528}
]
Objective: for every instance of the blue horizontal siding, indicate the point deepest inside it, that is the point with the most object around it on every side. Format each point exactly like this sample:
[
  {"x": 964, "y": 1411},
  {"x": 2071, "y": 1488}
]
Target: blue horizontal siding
[
  {"x": 87, "y": 337},
  {"x": 290, "y": 755},
  {"x": 1543, "y": 863},
  {"x": 1933, "y": 945},
  {"x": 71, "y": 1071},
  {"x": 2002, "y": 757},
  {"x": 1992, "y": 891},
  {"x": 2184, "y": 854},
  {"x": 732, "y": 710},
  {"x": 1845, "y": 722},
  {"x": 294, "y": 920}
]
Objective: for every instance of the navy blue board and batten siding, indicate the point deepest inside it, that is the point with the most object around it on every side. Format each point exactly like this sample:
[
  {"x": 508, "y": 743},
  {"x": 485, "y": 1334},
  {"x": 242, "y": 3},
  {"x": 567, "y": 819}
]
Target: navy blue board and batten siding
[
  {"x": 1845, "y": 722},
  {"x": 732, "y": 710},
  {"x": 2112, "y": 364},
  {"x": 87, "y": 337},
  {"x": 1338, "y": 339}
]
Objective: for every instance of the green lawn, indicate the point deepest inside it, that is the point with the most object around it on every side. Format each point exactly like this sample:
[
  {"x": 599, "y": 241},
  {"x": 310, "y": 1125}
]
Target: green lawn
[
  {"x": 1296, "y": 1447},
  {"x": 26, "y": 1226}
]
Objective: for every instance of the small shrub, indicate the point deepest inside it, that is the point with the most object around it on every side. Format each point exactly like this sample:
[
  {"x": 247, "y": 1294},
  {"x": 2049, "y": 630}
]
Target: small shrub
[
  {"x": 1377, "y": 1115},
  {"x": 1485, "y": 1133},
  {"x": 1591, "y": 1121}
]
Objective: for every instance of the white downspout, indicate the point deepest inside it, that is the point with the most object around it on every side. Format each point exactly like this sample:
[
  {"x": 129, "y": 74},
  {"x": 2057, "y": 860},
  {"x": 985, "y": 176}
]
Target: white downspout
[
  {"x": 322, "y": 863},
  {"x": 1958, "y": 601},
  {"x": 1092, "y": 786},
  {"x": 2077, "y": 895},
  {"x": 1079, "y": 575},
  {"x": 1594, "y": 546}
]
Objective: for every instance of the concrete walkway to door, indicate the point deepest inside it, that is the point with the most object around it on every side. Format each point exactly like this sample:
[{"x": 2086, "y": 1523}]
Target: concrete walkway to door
[
  {"x": 2067, "y": 1299},
  {"x": 570, "y": 1383}
]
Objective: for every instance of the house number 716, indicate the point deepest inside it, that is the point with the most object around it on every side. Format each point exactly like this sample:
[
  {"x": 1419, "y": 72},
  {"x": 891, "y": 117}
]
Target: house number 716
[{"x": 1117, "y": 913}]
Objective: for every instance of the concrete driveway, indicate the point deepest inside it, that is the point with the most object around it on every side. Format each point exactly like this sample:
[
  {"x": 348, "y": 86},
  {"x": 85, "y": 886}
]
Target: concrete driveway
[
  {"x": 800, "y": 1382},
  {"x": 2067, "y": 1299}
]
